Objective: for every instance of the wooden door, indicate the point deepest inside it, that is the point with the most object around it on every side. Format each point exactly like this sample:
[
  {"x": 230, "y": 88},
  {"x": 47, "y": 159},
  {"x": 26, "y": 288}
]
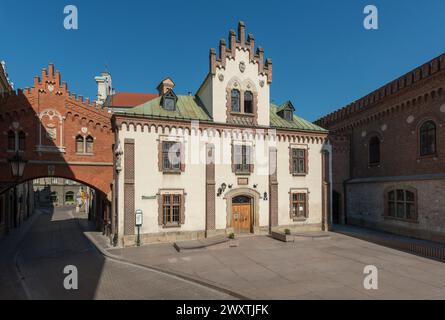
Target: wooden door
[{"x": 241, "y": 217}]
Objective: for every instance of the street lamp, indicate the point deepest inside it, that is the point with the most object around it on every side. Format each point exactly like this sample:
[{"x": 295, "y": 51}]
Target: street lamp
[
  {"x": 17, "y": 165},
  {"x": 17, "y": 168}
]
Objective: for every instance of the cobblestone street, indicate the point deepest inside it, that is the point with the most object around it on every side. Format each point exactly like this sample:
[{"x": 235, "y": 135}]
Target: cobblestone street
[{"x": 56, "y": 240}]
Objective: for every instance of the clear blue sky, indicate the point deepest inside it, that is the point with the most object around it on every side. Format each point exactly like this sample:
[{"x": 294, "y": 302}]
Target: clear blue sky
[{"x": 322, "y": 56}]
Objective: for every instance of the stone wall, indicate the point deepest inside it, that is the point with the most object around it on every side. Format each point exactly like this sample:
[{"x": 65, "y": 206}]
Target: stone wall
[{"x": 366, "y": 207}]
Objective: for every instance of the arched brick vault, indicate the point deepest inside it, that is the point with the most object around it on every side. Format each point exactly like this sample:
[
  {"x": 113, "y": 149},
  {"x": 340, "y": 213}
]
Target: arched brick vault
[{"x": 51, "y": 118}]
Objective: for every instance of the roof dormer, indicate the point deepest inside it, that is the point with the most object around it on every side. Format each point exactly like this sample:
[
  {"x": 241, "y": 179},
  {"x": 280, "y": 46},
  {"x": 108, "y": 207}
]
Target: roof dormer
[
  {"x": 286, "y": 111},
  {"x": 168, "y": 100}
]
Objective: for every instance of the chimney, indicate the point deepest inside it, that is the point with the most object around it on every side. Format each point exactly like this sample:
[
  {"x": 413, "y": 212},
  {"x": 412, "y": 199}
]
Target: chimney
[
  {"x": 165, "y": 85},
  {"x": 241, "y": 33},
  {"x": 104, "y": 87}
]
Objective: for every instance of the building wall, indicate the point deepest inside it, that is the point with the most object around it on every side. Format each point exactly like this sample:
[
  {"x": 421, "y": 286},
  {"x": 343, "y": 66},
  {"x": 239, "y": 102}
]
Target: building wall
[
  {"x": 148, "y": 181},
  {"x": 394, "y": 114},
  {"x": 366, "y": 205},
  {"x": 249, "y": 77}
]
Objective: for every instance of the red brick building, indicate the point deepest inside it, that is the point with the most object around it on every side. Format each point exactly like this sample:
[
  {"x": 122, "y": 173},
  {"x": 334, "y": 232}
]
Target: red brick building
[
  {"x": 57, "y": 134},
  {"x": 389, "y": 156}
]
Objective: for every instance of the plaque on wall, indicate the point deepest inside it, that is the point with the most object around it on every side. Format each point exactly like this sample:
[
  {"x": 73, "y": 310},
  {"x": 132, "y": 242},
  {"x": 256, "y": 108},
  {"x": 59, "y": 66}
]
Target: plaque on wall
[{"x": 243, "y": 181}]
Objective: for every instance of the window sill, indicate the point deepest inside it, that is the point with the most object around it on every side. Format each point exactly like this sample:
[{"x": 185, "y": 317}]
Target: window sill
[
  {"x": 299, "y": 174},
  {"x": 173, "y": 172},
  {"x": 294, "y": 219},
  {"x": 85, "y": 154},
  {"x": 241, "y": 114},
  {"x": 374, "y": 165},
  {"x": 171, "y": 226},
  {"x": 242, "y": 173},
  {"x": 428, "y": 156},
  {"x": 400, "y": 219}
]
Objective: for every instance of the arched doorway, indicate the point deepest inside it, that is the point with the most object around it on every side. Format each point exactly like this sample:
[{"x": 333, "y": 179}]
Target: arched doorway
[
  {"x": 243, "y": 210},
  {"x": 242, "y": 214}
]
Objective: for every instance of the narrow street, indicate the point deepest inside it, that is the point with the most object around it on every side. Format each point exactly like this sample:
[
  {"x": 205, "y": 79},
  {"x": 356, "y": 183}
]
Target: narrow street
[{"x": 34, "y": 269}]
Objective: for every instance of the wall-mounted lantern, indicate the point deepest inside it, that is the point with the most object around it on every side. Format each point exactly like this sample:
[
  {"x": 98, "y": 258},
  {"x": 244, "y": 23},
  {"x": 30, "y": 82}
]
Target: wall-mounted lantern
[{"x": 265, "y": 196}]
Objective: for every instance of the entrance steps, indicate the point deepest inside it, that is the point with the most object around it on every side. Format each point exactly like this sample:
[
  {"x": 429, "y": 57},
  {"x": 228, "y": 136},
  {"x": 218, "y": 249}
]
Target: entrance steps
[
  {"x": 301, "y": 236},
  {"x": 219, "y": 242}
]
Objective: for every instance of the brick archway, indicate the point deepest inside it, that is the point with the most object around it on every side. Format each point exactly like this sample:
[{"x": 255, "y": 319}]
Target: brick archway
[{"x": 57, "y": 133}]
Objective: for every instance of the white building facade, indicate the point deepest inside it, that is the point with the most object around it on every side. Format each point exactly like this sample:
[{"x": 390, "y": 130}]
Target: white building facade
[{"x": 225, "y": 160}]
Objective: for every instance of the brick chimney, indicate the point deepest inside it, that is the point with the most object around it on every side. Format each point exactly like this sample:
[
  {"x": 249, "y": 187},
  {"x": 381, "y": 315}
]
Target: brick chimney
[{"x": 165, "y": 85}]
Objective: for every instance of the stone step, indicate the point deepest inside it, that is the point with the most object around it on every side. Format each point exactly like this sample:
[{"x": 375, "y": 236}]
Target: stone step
[{"x": 218, "y": 242}]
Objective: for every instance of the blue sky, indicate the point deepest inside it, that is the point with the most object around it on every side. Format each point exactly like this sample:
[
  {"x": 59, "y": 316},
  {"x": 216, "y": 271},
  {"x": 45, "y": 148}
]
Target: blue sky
[{"x": 322, "y": 56}]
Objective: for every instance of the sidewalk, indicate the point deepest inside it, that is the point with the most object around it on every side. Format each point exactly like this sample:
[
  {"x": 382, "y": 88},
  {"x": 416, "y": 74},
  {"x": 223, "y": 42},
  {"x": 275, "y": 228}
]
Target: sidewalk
[
  {"x": 422, "y": 248},
  {"x": 11, "y": 287},
  {"x": 264, "y": 268}
]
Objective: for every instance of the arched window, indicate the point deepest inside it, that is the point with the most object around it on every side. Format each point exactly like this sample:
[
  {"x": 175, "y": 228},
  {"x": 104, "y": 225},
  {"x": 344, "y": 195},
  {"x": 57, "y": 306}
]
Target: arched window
[
  {"x": 69, "y": 197},
  {"x": 374, "y": 151},
  {"x": 53, "y": 197},
  {"x": 89, "y": 144},
  {"x": 428, "y": 138},
  {"x": 235, "y": 100},
  {"x": 79, "y": 144},
  {"x": 402, "y": 204},
  {"x": 22, "y": 140},
  {"x": 11, "y": 140},
  {"x": 248, "y": 102}
]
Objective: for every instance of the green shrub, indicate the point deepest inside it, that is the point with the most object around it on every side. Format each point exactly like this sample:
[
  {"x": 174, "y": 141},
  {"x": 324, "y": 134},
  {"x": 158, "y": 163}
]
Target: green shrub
[
  {"x": 287, "y": 231},
  {"x": 232, "y": 236}
]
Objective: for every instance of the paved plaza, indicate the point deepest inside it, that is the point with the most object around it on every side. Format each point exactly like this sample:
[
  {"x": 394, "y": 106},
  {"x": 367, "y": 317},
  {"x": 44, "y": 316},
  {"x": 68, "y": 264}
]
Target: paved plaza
[
  {"x": 260, "y": 267},
  {"x": 264, "y": 268}
]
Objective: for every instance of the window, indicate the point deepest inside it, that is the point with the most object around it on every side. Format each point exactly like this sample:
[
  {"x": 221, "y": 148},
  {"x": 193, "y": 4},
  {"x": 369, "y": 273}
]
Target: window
[
  {"x": 171, "y": 156},
  {"x": 235, "y": 101},
  {"x": 287, "y": 115},
  {"x": 171, "y": 209},
  {"x": 89, "y": 144},
  {"x": 169, "y": 101},
  {"x": 298, "y": 164},
  {"x": 428, "y": 138},
  {"x": 402, "y": 204},
  {"x": 242, "y": 159},
  {"x": 11, "y": 140},
  {"x": 248, "y": 102},
  {"x": 299, "y": 205},
  {"x": 22, "y": 139},
  {"x": 374, "y": 151},
  {"x": 53, "y": 196},
  {"x": 79, "y": 144},
  {"x": 69, "y": 197},
  {"x": 84, "y": 145}
]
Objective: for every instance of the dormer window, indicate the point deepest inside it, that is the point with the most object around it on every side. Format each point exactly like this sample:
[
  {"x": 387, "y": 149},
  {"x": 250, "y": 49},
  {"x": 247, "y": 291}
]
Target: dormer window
[
  {"x": 287, "y": 115},
  {"x": 235, "y": 101},
  {"x": 169, "y": 101},
  {"x": 248, "y": 102},
  {"x": 286, "y": 111}
]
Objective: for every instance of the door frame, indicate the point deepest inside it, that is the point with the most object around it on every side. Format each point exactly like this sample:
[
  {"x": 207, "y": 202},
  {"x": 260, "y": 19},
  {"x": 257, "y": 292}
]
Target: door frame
[{"x": 254, "y": 207}]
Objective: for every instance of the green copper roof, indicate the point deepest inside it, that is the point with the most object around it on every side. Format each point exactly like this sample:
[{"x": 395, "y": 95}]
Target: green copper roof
[
  {"x": 190, "y": 108},
  {"x": 298, "y": 124},
  {"x": 187, "y": 108}
]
